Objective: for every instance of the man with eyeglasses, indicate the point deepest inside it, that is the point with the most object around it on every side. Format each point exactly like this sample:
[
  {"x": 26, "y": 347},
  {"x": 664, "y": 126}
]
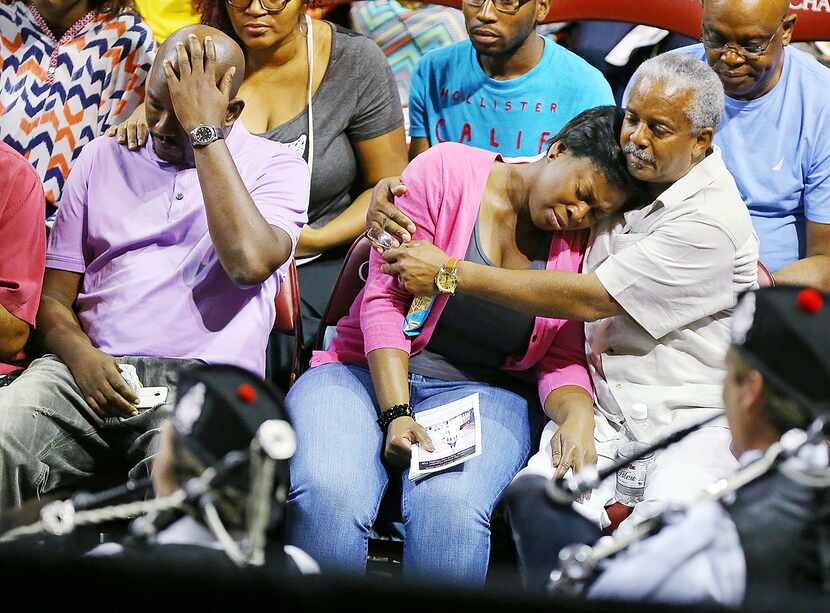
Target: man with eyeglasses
[
  {"x": 775, "y": 132},
  {"x": 506, "y": 89}
]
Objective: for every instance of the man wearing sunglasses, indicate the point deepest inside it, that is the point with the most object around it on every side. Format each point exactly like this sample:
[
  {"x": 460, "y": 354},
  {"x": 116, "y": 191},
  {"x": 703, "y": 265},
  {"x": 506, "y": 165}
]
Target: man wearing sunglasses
[
  {"x": 775, "y": 132},
  {"x": 506, "y": 89}
]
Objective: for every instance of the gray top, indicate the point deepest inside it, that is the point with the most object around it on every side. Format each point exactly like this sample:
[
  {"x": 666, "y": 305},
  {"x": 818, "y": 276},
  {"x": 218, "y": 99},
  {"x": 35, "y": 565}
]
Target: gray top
[
  {"x": 474, "y": 337},
  {"x": 357, "y": 100}
]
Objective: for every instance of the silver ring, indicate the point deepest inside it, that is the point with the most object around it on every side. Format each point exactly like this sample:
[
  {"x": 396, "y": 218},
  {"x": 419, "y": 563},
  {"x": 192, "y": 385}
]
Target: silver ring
[{"x": 383, "y": 241}]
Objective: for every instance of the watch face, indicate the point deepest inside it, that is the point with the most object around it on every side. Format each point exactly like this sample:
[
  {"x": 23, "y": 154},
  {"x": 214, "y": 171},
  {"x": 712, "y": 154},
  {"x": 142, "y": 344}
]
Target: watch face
[
  {"x": 203, "y": 135},
  {"x": 445, "y": 282}
]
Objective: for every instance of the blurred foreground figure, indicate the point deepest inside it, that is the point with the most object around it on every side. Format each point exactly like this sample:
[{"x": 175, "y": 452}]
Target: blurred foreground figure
[
  {"x": 772, "y": 535},
  {"x": 226, "y": 419}
]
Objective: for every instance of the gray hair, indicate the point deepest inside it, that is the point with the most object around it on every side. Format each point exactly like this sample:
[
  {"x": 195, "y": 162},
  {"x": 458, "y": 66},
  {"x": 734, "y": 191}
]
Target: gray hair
[{"x": 680, "y": 72}]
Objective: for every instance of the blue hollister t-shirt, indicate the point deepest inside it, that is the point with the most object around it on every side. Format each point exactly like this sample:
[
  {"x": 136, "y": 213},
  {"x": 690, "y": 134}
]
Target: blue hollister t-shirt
[
  {"x": 452, "y": 99},
  {"x": 778, "y": 148}
]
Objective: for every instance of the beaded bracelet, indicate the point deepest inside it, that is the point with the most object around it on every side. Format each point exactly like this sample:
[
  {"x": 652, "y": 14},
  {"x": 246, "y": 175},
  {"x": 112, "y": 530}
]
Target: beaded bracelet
[{"x": 391, "y": 414}]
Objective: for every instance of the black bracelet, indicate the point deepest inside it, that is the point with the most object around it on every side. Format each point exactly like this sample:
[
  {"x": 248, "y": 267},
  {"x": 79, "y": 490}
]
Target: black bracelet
[{"x": 391, "y": 414}]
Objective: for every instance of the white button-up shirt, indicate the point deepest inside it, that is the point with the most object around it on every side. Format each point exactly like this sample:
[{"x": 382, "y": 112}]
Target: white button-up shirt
[{"x": 676, "y": 267}]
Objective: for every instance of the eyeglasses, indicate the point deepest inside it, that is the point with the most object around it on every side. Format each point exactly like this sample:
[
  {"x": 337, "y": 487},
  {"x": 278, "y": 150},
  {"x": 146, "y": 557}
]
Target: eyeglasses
[
  {"x": 269, "y": 6},
  {"x": 752, "y": 51},
  {"x": 509, "y": 7}
]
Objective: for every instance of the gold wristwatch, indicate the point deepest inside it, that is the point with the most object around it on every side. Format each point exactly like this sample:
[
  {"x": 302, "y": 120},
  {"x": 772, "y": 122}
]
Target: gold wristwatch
[{"x": 446, "y": 279}]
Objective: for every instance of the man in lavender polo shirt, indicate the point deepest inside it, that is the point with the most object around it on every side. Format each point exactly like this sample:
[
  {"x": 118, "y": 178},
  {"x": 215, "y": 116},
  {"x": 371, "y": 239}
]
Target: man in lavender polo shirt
[{"x": 160, "y": 258}]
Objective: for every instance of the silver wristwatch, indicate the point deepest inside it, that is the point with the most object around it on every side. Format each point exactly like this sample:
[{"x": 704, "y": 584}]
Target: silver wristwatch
[{"x": 203, "y": 135}]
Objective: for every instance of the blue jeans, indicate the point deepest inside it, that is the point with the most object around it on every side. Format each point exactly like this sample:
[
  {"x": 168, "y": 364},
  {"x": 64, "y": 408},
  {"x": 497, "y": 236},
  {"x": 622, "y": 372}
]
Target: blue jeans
[{"x": 338, "y": 478}]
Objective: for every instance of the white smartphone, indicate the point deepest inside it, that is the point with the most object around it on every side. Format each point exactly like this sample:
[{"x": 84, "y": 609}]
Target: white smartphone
[{"x": 151, "y": 397}]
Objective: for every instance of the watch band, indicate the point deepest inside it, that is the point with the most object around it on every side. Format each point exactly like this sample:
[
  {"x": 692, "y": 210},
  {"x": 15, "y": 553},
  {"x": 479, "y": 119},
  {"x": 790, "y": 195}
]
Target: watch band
[{"x": 451, "y": 264}]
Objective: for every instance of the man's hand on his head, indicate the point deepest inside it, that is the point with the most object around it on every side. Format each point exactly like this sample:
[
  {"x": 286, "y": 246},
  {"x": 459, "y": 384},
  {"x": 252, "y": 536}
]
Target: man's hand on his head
[
  {"x": 415, "y": 264},
  {"x": 383, "y": 215},
  {"x": 196, "y": 96}
]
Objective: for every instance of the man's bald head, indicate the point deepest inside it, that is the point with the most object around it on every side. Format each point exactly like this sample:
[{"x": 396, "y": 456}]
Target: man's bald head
[
  {"x": 228, "y": 53},
  {"x": 760, "y": 9},
  {"x": 170, "y": 141},
  {"x": 745, "y": 42}
]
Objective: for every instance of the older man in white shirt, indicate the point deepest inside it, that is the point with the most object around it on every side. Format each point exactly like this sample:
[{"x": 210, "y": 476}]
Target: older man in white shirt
[
  {"x": 675, "y": 267},
  {"x": 656, "y": 291}
]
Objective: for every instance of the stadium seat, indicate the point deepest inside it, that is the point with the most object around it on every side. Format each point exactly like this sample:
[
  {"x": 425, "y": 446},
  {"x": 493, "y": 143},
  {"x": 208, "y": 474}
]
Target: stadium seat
[
  {"x": 683, "y": 16},
  {"x": 288, "y": 320},
  {"x": 350, "y": 281}
]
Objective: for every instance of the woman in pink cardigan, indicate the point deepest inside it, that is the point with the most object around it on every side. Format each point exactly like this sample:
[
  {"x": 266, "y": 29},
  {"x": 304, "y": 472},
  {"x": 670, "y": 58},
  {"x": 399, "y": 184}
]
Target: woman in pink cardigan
[{"x": 475, "y": 207}]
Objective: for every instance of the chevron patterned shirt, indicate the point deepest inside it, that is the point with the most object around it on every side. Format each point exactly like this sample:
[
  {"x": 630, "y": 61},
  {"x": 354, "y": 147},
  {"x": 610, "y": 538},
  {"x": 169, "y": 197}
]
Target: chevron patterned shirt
[{"x": 58, "y": 95}]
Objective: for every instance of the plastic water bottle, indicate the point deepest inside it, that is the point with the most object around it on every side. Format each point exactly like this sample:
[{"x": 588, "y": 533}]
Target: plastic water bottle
[
  {"x": 631, "y": 480},
  {"x": 638, "y": 414},
  {"x": 637, "y": 424}
]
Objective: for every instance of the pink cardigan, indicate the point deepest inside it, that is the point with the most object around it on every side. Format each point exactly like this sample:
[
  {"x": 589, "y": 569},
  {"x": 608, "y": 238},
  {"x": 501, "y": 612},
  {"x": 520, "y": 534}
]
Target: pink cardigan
[{"x": 445, "y": 186}]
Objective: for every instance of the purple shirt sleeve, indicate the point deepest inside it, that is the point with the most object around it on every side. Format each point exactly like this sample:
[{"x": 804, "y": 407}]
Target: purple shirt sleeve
[
  {"x": 282, "y": 195},
  {"x": 65, "y": 250}
]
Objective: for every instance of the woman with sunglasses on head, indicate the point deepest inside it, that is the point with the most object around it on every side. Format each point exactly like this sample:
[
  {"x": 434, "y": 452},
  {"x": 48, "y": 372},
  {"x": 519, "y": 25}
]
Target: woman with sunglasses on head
[
  {"x": 329, "y": 94},
  {"x": 470, "y": 203}
]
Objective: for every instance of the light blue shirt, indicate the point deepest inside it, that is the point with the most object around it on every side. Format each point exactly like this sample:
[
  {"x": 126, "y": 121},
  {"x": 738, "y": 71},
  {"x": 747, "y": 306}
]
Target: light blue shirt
[
  {"x": 778, "y": 149},
  {"x": 452, "y": 99}
]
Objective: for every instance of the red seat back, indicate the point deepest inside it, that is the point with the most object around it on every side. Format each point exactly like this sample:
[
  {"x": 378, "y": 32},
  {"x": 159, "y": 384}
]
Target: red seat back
[
  {"x": 351, "y": 280},
  {"x": 289, "y": 320},
  {"x": 288, "y": 304},
  {"x": 681, "y": 16}
]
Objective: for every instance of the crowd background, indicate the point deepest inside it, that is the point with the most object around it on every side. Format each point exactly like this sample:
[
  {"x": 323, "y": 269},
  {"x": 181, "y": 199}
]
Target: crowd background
[{"x": 365, "y": 88}]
